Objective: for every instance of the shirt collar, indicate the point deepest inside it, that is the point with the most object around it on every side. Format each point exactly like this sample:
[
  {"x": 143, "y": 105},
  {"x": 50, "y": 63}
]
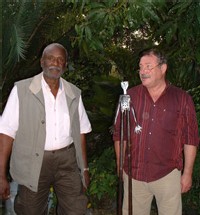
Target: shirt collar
[{"x": 44, "y": 84}]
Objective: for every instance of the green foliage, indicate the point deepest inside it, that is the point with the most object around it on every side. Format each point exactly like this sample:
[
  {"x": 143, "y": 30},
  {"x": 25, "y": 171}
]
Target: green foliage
[
  {"x": 126, "y": 64},
  {"x": 192, "y": 198},
  {"x": 140, "y": 24},
  {"x": 103, "y": 39},
  {"x": 19, "y": 21},
  {"x": 52, "y": 201},
  {"x": 103, "y": 178}
]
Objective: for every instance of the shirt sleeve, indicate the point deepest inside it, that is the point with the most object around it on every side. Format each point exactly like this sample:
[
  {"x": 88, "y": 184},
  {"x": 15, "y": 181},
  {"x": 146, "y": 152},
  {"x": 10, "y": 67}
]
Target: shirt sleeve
[
  {"x": 190, "y": 128},
  {"x": 9, "y": 120},
  {"x": 85, "y": 126}
]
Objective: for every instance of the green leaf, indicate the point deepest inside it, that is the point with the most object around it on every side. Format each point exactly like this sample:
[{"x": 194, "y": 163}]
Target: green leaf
[
  {"x": 88, "y": 33},
  {"x": 171, "y": 32}
]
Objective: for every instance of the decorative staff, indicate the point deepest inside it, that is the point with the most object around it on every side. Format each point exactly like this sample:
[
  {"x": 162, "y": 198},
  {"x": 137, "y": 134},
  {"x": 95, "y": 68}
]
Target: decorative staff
[{"x": 124, "y": 106}]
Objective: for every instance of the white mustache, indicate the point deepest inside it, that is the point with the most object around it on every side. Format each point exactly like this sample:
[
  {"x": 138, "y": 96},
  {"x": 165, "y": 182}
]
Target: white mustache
[{"x": 55, "y": 68}]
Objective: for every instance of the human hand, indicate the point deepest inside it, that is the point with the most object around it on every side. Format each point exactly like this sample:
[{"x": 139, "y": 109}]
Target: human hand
[
  {"x": 186, "y": 183},
  {"x": 4, "y": 189},
  {"x": 87, "y": 179}
]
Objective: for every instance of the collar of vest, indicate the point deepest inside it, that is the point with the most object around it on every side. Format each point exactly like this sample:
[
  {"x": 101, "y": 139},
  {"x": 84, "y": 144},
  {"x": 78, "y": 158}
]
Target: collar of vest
[{"x": 36, "y": 86}]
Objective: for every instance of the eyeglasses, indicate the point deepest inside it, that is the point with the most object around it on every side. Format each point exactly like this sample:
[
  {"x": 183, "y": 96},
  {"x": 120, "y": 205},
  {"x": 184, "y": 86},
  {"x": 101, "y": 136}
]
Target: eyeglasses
[{"x": 148, "y": 68}]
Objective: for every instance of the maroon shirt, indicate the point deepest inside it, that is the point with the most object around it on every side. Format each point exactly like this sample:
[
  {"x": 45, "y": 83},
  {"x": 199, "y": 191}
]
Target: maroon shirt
[{"x": 167, "y": 125}]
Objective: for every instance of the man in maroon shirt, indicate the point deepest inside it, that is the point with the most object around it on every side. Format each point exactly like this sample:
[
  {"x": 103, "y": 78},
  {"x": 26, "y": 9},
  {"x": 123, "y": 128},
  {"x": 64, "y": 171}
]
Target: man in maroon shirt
[{"x": 169, "y": 134}]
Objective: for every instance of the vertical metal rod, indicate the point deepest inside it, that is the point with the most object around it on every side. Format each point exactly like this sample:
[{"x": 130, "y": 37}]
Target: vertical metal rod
[
  {"x": 126, "y": 114},
  {"x": 129, "y": 165},
  {"x": 120, "y": 195}
]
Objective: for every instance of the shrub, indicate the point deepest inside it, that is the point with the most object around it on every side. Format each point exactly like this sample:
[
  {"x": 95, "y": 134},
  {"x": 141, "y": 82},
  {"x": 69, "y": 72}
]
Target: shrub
[
  {"x": 103, "y": 186},
  {"x": 191, "y": 199}
]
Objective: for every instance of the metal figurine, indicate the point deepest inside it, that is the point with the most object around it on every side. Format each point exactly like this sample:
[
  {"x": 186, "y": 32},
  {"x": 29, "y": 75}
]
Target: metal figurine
[{"x": 124, "y": 106}]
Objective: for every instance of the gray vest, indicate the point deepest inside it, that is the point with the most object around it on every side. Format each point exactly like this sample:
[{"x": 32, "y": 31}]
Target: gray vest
[{"x": 28, "y": 148}]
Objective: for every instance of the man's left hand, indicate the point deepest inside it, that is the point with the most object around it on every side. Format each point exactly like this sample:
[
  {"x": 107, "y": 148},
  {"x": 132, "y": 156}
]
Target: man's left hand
[{"x": 186, "y": 183}]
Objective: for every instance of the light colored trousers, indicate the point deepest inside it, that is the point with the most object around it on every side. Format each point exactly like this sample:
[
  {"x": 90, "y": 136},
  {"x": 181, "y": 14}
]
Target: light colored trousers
[{"x": 167, "y": 192}]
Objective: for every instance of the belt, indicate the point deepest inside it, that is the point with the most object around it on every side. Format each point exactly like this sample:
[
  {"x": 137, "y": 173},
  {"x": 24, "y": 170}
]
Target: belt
[
  {"x": 62, "y": 149},
  {"x": 69, "y": 146}
]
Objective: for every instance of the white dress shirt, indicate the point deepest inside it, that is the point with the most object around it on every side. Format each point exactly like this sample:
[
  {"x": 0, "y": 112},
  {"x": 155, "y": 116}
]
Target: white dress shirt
[{"x": 58, "y": 130}]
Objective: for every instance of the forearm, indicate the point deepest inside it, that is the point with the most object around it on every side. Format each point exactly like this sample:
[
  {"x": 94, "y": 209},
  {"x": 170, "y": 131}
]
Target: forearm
[
  {"x": 85, "y": 162},
  {"x": 84, "y": 150},
  {"x": 189, "y": 158},
  {"x": 5, "y": 151},
  {"x": 117, "y": 151}
]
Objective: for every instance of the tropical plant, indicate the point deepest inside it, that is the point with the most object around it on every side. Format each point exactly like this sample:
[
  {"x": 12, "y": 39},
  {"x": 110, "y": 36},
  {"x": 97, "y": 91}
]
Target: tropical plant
[
  {"x": 140, "y": 24},
  {"x": 191, "y": 200},
  {"x": 103, "y": 39},
  {"x": 102, "y": 190},
  {"x": 28, "y": 27},
  {"x": 19, "y": 23}
]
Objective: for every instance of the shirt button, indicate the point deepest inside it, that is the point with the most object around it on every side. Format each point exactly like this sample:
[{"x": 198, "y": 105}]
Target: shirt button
[
  {"x": 150, "y": 133},
  {"x": 37, "y": 154},
  {"x": 149, "y": 148},
  {"x": 42, "y": 121}
]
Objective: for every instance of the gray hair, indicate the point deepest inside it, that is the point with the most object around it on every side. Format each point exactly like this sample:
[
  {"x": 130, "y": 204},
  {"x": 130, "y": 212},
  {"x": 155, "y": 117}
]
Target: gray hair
[
  {"x": 161, "y": 57},
  {"x": 55, "y": 45}
]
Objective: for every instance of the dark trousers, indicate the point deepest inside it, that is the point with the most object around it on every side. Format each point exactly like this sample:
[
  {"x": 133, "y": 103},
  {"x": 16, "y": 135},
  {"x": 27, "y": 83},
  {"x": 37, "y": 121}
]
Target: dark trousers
[{"x": 60, "y": 170}]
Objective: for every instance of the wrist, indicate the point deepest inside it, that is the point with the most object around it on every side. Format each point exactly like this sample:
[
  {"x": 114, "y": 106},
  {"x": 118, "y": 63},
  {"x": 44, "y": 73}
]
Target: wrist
[{"x": 86, "y": 169}]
